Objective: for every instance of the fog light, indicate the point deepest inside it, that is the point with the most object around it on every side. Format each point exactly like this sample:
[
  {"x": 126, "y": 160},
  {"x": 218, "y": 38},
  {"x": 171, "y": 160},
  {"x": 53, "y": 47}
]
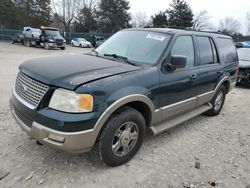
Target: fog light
[{"x": 56, "y": 138}]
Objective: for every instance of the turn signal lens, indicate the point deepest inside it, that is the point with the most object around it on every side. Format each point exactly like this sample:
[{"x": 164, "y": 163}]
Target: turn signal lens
[{"x": 85, "y": 102}]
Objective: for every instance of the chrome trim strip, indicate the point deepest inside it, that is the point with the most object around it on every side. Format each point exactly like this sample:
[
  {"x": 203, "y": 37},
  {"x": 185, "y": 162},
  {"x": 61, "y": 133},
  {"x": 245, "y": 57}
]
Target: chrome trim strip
[
  {"x": 178, "y": 103},
  {"x": 207, "y": 93},
  {"x": 184, "y": 101}
]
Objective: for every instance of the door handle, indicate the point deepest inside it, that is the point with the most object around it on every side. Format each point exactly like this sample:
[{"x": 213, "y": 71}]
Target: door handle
[
  {"x": 193, "y": 76},
  {"x": 220, "y": 71}
]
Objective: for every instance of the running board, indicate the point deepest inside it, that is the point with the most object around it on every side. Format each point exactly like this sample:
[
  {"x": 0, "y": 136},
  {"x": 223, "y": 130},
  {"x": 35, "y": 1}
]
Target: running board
[{"x": 163, "y": 126}]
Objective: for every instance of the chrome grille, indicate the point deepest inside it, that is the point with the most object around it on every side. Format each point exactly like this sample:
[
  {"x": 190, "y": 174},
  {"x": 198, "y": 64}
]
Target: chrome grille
[{"x": 30, "y": 90}]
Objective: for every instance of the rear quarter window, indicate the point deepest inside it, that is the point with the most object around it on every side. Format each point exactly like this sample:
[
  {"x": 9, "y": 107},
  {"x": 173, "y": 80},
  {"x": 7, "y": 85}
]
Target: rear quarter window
[{"x": 227, "y": 49}]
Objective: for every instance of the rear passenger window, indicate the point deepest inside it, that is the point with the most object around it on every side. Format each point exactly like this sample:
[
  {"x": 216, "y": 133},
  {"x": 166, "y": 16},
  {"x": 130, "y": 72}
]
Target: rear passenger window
[
  {"x": 228, "y": 50},
  {"x": 208, "y": 52},
  {"x": 184, "y": 46}
]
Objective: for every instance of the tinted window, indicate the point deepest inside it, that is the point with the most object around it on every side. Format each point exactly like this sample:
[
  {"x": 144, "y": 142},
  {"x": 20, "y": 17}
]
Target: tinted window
[
  {"x": 184, "y": 46},
  {"x": 215, "y": 52},
  {"x": 206, "y": 51},
  {"x": 228, "y": 50}
]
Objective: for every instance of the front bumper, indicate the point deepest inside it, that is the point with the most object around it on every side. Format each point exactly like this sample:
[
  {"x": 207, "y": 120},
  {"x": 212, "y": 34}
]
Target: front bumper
[
  {"x": 57, "y": 45},
  {"x": 74, "y": 142}
]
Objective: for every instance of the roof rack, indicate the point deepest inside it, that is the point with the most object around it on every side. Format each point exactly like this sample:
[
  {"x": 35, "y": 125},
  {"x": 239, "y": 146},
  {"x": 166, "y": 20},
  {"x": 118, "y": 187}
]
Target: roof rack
[{"x": 191, "y": 29}]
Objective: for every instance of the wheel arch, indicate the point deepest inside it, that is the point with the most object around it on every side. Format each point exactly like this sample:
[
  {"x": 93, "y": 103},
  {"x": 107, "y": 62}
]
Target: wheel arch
[
  {"x": 225, "y": 82},
  {"x": 140, "y": 102}
]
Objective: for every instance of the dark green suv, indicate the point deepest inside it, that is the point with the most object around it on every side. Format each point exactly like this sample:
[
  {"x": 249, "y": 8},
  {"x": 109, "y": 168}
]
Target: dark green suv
[{"x": 138, "y": 80}]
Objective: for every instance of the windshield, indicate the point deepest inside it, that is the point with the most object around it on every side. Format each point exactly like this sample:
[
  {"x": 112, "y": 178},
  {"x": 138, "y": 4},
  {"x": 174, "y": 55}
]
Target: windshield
[
  {"x": 53, "y": 33},
  {"x": 36, "y": 31},
  {"x": 142, "y": 47},
  {"x": 244, "y": 54},
  {"x": 82, "y": 40}
]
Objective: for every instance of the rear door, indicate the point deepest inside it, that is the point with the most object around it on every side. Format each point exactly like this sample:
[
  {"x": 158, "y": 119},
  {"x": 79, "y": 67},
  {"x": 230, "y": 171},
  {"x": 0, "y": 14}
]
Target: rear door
[{"x": 210, "y": 68}]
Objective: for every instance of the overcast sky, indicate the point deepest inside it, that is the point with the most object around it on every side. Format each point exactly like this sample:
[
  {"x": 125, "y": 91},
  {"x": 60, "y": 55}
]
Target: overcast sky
[{"x": 218, "y": 9}]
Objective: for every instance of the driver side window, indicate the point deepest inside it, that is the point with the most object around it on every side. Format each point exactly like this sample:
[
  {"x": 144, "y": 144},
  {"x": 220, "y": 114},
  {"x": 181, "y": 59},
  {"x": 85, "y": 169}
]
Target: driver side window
[{"x": 184, "y": 46}]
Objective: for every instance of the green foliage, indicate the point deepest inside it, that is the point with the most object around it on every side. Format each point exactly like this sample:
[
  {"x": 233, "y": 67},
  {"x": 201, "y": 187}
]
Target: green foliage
[
  {"x": 180, "y": 14},
  {"x": 160, "y": 20},
  {"x": 19, "y": 13},
  {"x": 87, "y": 20},
  {"x": 113, "y": 15}
]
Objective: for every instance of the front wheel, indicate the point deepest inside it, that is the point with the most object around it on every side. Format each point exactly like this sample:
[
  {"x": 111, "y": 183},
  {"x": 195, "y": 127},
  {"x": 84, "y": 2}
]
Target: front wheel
[
  {"x": 46, "y": 46},
  {"x": 217, "y": 102},
  {"x": 121, "y": 137},
  {"x": 28, "y": 43}
]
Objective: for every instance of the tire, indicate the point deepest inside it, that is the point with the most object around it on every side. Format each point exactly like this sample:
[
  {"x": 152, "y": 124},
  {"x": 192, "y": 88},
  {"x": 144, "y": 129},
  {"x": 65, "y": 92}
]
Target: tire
[
  {"x": 124, "y": 131},
  {"x": 63, "y": 48},
  {"x": 217, "y": 102},
  {"x": 80, "y": 45},
  {"x": 72, "y": 44},
  {"x": 28, "y": 43},
  {"x": 46, "y": 46}
]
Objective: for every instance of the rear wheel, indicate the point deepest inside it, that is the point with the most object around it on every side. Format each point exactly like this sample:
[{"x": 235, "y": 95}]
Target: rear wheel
[
  {"x": 217, "y": 102},
  {"x": 121, "y": 137}
]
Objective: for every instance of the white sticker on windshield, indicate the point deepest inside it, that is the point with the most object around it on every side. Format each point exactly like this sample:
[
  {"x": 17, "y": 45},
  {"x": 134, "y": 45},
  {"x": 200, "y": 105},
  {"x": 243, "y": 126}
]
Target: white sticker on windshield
[{"x": 155, "y": 37}]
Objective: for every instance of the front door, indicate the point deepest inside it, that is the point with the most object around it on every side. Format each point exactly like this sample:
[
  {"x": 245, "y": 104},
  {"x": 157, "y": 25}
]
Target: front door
[{"x": 178, "y": 89}]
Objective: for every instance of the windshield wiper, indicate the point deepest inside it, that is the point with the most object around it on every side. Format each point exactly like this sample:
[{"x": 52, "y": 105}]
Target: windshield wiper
[{"x": 124, "y": 59}]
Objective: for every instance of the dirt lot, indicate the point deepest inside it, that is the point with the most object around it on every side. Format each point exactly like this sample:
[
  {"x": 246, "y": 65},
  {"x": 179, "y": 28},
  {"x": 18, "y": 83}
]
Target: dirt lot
[{"x": 221, "y": 143}]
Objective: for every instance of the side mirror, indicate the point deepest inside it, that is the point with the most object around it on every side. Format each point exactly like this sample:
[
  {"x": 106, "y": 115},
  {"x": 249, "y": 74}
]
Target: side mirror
[{"x": 177, "y": 62}]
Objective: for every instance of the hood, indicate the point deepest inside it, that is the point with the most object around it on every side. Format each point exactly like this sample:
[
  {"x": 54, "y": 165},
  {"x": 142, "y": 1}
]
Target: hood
[
  {"x": 244, "y": 64},
  {"x": 72, "y": 70}
]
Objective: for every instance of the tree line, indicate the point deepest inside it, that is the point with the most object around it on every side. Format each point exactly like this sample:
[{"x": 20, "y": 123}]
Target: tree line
[{"x": 107, "y": 16}]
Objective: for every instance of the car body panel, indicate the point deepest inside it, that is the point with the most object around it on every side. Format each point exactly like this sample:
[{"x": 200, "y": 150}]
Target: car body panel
[{"x": 58, "y": 72}]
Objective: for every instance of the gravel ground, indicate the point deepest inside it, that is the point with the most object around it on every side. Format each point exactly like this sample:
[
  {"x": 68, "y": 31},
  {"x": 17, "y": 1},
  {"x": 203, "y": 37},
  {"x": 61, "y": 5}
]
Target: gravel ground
[{"x": 222, "y": 145}]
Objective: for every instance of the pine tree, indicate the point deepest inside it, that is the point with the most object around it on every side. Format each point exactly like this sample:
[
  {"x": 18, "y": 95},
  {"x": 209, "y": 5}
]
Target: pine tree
[
  {"x": 113, "y": 15},
  {"x": 180, "y": 14},
  {"x": 160, "y": 20}
]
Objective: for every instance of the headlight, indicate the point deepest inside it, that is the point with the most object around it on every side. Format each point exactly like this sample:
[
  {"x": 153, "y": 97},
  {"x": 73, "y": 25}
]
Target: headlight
[
  {"x": 69, "y": 101},
  {"x": 64, "y": 40},
  {"x": 51, "y": 40}
]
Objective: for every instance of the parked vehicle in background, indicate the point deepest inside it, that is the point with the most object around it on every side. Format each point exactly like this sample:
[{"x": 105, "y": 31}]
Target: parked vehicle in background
[
  {"x": 31, "y": 34},
  {"x": 244, "y": 66},
  {"x": 17, "y": 38},
  {"x": 81, "y": 42},
  {"x": 99, "y": 40},
  {"x": 245, "y": 44},
  {"x": 46, "y": 37},
  {"x": 51, "y": 38},
  {"x": 139, "y": 79}
]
